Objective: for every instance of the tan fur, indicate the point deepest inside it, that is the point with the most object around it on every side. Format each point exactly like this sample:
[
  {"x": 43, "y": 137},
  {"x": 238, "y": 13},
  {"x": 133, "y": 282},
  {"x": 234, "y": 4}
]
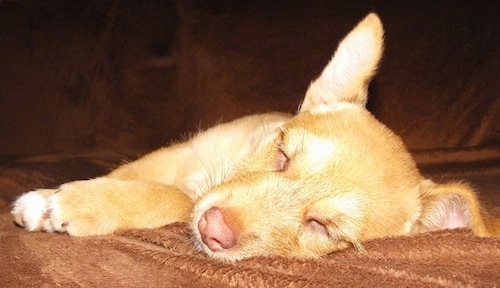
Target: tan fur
[{"x": 326, "y": 179}]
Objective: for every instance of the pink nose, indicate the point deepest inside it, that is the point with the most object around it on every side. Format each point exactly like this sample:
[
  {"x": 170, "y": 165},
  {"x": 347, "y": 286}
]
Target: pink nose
[{"x": 215, "y": 232}]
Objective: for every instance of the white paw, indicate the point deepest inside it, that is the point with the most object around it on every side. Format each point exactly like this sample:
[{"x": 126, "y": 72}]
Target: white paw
[
  {"x": 64, "y": 210},
  {"x": 29, "y": 211},
  {"x": 55, "y": 214}
]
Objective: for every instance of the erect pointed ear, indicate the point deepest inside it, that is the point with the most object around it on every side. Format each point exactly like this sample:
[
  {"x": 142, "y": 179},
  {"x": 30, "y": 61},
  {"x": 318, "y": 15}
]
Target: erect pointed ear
[
  {"x": 347, "y": 76},
  {"x": 453, "y": 205}
]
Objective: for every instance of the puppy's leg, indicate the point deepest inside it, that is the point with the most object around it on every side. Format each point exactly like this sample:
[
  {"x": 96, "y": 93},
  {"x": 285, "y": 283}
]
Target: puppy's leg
[{"x": 101, "y": 206}]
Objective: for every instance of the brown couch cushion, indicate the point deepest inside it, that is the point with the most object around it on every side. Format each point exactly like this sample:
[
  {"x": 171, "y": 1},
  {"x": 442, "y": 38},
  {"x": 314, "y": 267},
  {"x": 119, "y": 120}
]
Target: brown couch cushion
[{"x": 130, "y": 76}]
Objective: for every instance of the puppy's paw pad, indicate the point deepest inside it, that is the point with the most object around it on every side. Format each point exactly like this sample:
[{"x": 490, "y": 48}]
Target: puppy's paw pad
[{"x": 29, "y": 211}]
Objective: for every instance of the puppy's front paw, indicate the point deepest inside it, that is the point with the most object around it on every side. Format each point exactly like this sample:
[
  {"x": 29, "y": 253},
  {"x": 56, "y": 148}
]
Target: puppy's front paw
[
  {"x": 30, "y": 211},
  {"x": 75, "y": 208},
  {"x": 76, "y": 213},
  {"x": 88, "y": 207}
]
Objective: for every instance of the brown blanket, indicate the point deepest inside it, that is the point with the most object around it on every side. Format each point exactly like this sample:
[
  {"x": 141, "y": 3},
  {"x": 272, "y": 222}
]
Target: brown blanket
[{"x": 164, "y": 257}]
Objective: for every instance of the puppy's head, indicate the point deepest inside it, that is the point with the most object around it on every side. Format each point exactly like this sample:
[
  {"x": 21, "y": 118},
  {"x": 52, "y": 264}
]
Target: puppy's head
[{"x": 330, "y": 178}]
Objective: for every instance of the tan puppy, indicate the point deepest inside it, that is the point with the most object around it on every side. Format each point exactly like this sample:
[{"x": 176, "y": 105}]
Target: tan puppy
[{"x": 329, "y": 178}]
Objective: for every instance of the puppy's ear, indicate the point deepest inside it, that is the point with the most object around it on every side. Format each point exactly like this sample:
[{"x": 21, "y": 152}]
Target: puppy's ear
[
  {"x": 453, "y": 205},
  {"x": 347, "y": 76}
]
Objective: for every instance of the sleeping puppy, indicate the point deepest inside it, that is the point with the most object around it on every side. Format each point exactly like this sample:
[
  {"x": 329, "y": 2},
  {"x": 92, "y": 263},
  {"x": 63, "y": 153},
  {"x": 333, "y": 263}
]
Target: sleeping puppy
[{"x": 328, "y": 178}]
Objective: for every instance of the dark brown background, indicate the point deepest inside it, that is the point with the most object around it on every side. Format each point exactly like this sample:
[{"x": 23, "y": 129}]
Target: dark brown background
[{"x": 132, "y": 75}]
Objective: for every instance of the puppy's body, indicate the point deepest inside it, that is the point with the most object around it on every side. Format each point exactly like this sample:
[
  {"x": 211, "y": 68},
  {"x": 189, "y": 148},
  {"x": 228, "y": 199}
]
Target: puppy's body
[{"x": 303, "y": 186}]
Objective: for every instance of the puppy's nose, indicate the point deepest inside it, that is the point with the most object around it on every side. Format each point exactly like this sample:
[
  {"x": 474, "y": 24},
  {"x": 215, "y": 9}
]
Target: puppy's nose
[{"x": 215, "y": 232}]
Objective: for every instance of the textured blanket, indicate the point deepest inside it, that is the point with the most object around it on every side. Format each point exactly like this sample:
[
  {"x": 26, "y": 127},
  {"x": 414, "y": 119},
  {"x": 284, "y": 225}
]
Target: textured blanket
[{"x": 164, "y": 257}]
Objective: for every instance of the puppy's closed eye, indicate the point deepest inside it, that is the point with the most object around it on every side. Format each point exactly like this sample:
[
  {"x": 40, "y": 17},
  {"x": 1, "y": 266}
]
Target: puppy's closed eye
[
  {"x": 317, "y": 227},
  {"x": 281, "y": 161}
]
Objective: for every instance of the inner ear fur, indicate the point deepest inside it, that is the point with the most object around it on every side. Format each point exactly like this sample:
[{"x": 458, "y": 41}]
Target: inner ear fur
[
  {"x": 453, "y": 205},
  {"x": 348, "y": 74}
]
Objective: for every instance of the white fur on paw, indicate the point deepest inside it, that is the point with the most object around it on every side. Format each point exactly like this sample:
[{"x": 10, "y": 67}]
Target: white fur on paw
[
  {"x": 55, "y": 214},
  {"x": 29, "y": 211}
]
